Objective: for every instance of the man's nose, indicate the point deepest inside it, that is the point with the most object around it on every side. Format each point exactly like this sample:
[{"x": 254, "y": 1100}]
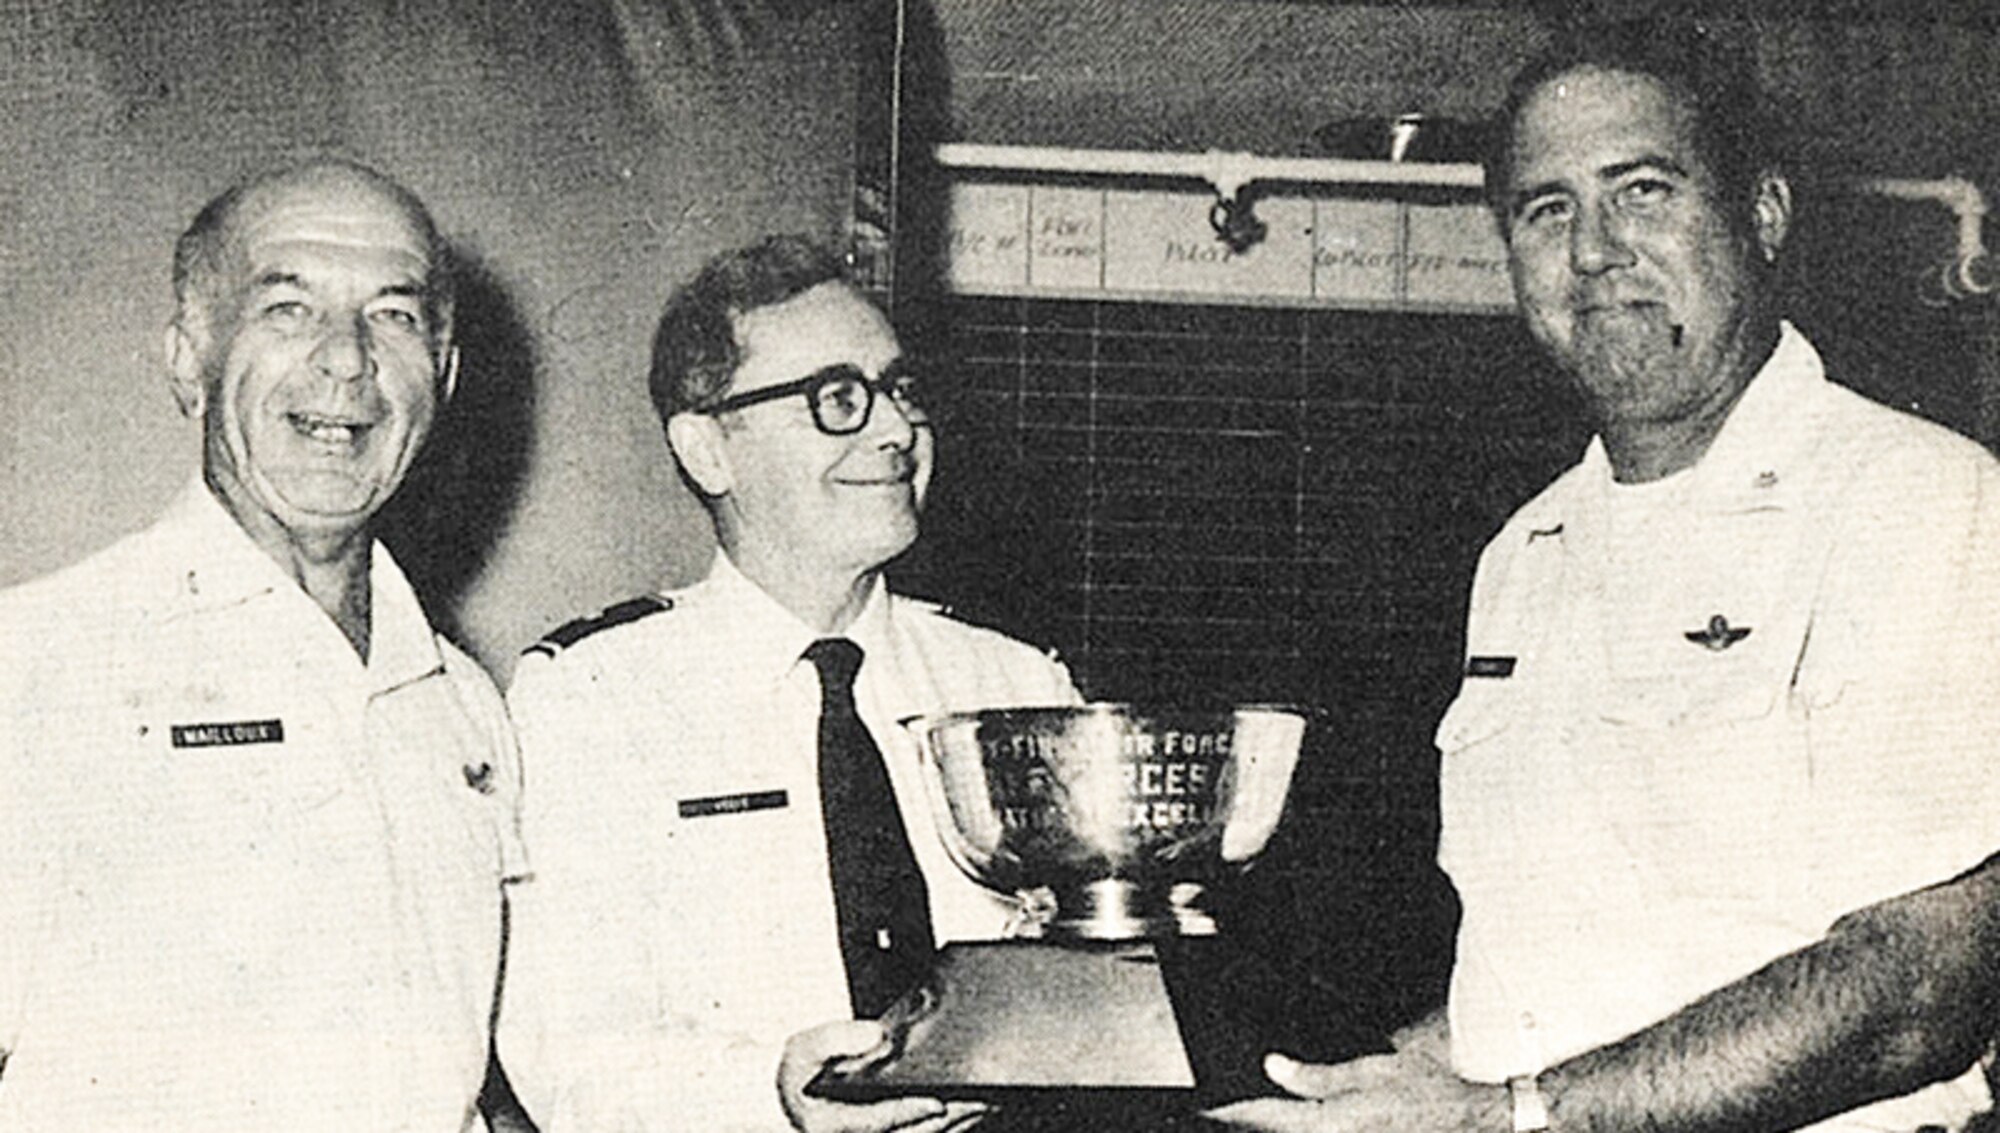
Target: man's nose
[
  {"x": 344, "y": 351},
  {"x": 1597, "y": 242}
]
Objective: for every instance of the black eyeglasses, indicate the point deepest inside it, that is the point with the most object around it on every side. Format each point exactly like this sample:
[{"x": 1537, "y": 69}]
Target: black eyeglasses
[{"x": 841, "y": 397}]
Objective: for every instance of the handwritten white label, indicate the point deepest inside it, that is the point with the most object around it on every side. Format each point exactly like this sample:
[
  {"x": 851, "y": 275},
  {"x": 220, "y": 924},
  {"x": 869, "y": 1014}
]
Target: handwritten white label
[
  {"x": 1355, "y": 254},
  {"x": 1066, "y": 241},
  {"x": 1009, "y": 239},
  {"x": 1164, "y": 242},
  {"x": 1456, "y": 258},
  {"x": 988, "y": 233}
]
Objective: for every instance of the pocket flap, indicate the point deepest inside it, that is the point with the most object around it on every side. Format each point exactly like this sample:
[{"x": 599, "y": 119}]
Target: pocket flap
[{"x": 1486, "y": 705}]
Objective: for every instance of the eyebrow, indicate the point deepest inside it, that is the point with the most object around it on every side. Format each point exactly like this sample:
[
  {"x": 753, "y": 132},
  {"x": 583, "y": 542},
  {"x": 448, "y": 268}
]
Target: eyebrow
[
  {"x": 409, "y": 290},
  {"x": 897, "y": 365},
  {"x": 1610, "y": 172},
  {"x": 1657, "y": 161},
  {"x": 837, "y": 370},
  {"x": 293, "y": 279},
  {"x": 1520, "y": 199}
]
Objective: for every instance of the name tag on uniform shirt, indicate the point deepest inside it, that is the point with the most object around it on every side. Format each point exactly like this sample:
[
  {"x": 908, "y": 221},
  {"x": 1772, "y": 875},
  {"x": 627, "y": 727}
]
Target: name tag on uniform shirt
[
  {"x": 1489, "y": 666},
  {"x": 229, "y": 733},
  {"x": 733, "y": 804}
]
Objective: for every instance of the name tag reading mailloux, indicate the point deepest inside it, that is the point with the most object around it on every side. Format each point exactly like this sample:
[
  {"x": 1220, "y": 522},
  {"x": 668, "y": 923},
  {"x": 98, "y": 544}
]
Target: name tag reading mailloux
[
  {"x": 1489, "y": 666},
  {"x": 229, "y": 733},
  {"x": 733, "y": 804}
]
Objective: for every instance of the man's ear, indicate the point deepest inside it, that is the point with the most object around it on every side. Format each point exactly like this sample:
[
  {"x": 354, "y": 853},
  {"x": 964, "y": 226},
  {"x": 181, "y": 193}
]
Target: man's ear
[
  {"x": 696, "y": 440},
  {"x": 184, "y": 371},
  {"x": 1771, "y": 214},
  {"x": 449, "y": 385}
]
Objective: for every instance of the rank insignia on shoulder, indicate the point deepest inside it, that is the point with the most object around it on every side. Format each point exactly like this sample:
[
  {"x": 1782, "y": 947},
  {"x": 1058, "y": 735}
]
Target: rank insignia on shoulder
[
  {"x": 1718, "y": 635},
  {"x": 1489, "y": 666},
  {"x": 569, "y": 633},
  {"x": 229, "y": 734},
  {"x": 733, "y": 804}
]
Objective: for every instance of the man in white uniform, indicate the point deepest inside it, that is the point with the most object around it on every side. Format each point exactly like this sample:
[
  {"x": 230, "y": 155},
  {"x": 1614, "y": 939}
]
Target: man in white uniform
[
  {"x": 681, "y": 924},
  {"x": 1718, "y": 785},
  {"x": 254, "y": 813}
]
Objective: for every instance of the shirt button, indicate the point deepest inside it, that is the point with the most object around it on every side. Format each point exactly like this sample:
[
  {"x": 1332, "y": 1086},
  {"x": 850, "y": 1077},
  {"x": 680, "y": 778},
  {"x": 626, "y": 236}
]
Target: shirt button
[{"x": 1527, "y": 1020}]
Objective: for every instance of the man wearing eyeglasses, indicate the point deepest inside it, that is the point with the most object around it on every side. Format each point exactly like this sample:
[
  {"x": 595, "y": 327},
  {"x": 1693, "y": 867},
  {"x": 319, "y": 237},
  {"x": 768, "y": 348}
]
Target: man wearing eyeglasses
[{"x": 710, "y": 877}]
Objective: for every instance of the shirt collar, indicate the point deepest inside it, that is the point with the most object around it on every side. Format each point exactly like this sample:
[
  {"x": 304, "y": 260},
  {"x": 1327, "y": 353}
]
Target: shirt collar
[
  {"x": 402, "y": 646},
  {"x": 1761, "y": 442},
  {"x": 216, "y": 565},
  {"x": 772, "y": 640}
]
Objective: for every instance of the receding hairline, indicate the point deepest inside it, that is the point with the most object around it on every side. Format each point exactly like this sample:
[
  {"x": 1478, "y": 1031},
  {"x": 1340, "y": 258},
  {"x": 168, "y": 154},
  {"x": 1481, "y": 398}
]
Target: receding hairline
[
  {"x": 1710, "y": 82},
  {"x": 207, "y": 239},
  {"x": 1675, "y": 93},
  {"x": 369, "y": 181},
  {"x": 1681, "y": 108},
  {"x": 815, "y": 292}
]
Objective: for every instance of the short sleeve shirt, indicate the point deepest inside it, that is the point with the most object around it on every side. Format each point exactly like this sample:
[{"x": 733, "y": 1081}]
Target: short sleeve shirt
[
  {"x": 252, "y": 882},
  {"x": 1702, "y": 720},
  {"x": 680, "y": 922}
]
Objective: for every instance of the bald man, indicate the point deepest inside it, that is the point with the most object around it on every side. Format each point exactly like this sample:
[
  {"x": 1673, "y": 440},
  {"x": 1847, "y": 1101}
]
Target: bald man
[{"x": 257, "y": 813}]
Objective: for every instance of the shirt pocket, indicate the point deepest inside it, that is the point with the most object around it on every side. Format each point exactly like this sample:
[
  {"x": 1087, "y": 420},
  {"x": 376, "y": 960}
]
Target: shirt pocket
[
  {"x": 1483, "y": 709},
  {"x": 1487, "y": 792},
  {"x": 1491, "y": 699},
  {"x": 1700, "y": 690},
  {"x": 1483, "y": 724},
  {"x": 743, "y": 841},
  {"x": 1720, "y": 765},
  {"x": 744, "y": 861},
  {"x": 1706, "y": 662},
  {"x": 1710, "y": 636}
]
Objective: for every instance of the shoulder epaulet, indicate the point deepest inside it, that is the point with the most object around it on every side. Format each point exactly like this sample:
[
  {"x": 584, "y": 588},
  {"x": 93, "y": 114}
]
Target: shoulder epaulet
[
  {"x": 951, "y": 613},
  {"x": 569, "y": 633},
  {"x": 979, "y": 626}
]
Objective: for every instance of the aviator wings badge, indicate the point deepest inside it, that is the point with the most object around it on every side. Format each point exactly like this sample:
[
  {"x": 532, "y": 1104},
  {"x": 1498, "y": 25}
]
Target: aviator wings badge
[{"x": 1719, "y": 635}]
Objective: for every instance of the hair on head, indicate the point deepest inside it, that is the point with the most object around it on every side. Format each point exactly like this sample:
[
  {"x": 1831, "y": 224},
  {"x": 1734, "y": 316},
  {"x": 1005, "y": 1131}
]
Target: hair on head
[
  {"x": 695, "y": 349},
  {"x": 1710, "y": 72}
]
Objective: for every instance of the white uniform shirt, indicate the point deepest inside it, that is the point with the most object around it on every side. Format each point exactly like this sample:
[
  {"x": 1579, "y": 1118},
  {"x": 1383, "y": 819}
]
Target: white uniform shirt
[
  {"x": 251, "y": 883},
  {"x": 680, "y": 925},
  {"x": 1703, "y": 718}
]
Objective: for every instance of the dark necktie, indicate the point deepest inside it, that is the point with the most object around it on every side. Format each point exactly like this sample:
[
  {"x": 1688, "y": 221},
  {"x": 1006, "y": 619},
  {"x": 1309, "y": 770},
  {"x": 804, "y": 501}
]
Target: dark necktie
[{"x": 883, "y": 906}]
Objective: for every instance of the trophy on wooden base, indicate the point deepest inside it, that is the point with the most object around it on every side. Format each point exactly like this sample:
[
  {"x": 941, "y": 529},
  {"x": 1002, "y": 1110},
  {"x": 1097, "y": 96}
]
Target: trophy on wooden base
[{"x": 1110, "y": 823}]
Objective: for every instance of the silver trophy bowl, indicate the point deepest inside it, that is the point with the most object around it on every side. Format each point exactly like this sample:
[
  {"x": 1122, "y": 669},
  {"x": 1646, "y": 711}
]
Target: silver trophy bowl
[{"x": 1109, "y": 820}]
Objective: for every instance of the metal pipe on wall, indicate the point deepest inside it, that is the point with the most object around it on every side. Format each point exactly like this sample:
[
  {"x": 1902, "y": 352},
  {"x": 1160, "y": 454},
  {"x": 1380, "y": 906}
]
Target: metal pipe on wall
[
  {"x": 1227, "y": 172},
  {"x": 1972, "y": 272}
]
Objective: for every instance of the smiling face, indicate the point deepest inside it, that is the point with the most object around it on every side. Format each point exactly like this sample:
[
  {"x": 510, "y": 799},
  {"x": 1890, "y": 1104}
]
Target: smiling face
[
  {"x": 1628, "y": 264},
  {"x": 787, "y": 498},
  {"x": 313, "y": 354}
]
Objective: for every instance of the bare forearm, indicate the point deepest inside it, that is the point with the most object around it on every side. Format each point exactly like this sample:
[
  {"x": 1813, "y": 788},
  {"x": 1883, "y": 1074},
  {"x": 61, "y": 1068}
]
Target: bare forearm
[{"x": 1897, "y": 995}]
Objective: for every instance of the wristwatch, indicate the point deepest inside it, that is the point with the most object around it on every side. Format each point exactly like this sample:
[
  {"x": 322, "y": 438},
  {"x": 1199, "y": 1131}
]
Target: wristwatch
[{"x": 1531, "y": 1109}]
